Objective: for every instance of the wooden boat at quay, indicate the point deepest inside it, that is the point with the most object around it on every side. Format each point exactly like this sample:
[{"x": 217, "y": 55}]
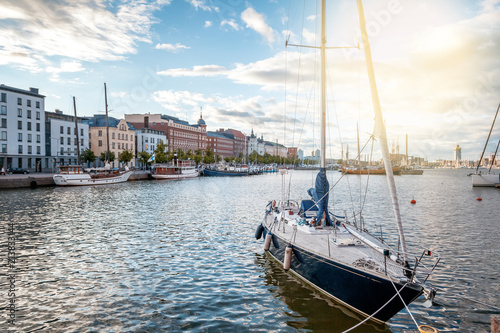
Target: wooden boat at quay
[
  {"x": 177, "y": 169},
  {"x": 368, "y": 171},
  {"x": 77, "y": 175}
]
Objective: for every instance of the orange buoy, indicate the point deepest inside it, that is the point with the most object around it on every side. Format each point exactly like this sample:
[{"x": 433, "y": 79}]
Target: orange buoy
[
  {"x": 479, "y": 199},
  {"x": 413, "y": 201}
]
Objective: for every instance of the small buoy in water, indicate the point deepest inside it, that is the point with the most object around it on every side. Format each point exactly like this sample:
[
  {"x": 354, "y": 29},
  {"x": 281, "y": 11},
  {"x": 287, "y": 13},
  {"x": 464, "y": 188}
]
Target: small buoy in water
[
  {"x": 267, "y": 242},
  {"x": 479, "y": 199},
  {"x": 413, "y": 201},
  {"x": 288, "y": 258},
  {"x": 426, "y": 329}
]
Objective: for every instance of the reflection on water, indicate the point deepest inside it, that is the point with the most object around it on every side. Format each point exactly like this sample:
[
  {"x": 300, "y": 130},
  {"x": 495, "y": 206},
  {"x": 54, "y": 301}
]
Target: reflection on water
[{"x": 180, "y": 255}]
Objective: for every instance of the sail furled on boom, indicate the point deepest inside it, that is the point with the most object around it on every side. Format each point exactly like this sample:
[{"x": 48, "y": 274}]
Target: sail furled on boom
[{"x": 320, "y": 195}]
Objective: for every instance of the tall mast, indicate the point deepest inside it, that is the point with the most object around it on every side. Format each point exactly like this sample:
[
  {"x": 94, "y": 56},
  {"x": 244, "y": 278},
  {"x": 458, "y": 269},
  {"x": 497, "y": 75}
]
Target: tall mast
[
  {"x": 107, "y": 125},
  {"x": 488, "y": 139},
  {"x": 380, "y": 127},
  {"x": 323, "y": 85},
  {"x": 76, "y": 131}
]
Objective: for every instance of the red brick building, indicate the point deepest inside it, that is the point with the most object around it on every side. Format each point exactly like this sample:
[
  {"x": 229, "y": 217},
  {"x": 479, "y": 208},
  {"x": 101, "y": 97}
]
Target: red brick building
[
  {"x": 220, "y": 144},
  {"x": 180, "y": 134},
  {"x": 240, "y": 145}
]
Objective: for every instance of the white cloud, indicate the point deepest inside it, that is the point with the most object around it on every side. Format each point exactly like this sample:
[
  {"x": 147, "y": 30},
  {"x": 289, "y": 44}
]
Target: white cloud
[
  {"x": 208, "y": 70},
  {"x": 257, "y": 22},
  {"x": 85, "y": 30},
  {"x": 208, "y": 24},
  {"x": 171, "y": 47},
  {"x": 232, "y": 23},
  {"x": 202, "y": 4}
]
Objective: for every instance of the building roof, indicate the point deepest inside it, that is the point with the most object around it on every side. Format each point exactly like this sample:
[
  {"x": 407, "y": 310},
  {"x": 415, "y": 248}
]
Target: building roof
[
  {"x": 99, "y": 120},
  {"x": 219, "y": 135},
  {"x": 32, "y": 92}
]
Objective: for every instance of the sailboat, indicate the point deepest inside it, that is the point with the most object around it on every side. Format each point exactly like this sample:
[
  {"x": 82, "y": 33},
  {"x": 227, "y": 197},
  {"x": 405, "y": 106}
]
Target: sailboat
[
  {"x": 487, "y": 180},
  {"x": 77, "y": 175},
  {"x": 338, "y": 256}
]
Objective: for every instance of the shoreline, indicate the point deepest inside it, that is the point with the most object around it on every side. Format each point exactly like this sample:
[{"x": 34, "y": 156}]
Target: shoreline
[{"x": 45, "y": 179}]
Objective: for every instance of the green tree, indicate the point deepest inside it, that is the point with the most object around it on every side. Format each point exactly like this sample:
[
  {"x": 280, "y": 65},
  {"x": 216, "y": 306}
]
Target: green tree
[
  {"x": 209, "y": 157},
  {"x": 125, "y": 156},
  {"x": 88, "y": 156},
  {"x": 160, "y": 152},
  {"x": 111, "y": 156},
  {"x": 144, "y": 157}
]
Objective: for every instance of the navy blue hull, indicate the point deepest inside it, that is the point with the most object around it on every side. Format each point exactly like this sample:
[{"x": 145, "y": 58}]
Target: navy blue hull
[
  {"x": 208, "y": 172},
  {"x": 364, "y": 292}
]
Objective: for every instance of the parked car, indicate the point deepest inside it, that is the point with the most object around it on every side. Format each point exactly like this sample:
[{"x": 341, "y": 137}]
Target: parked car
[{"x": 18, "y": 170}]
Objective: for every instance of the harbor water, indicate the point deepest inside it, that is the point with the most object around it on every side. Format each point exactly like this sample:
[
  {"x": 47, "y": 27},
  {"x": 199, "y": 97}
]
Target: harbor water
[{"x": 175, "y": 256}]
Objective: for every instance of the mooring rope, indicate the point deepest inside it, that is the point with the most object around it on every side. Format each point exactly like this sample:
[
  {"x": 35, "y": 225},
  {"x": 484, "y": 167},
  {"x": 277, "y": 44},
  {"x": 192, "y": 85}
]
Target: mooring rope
[{"x": 373, "y": 314}]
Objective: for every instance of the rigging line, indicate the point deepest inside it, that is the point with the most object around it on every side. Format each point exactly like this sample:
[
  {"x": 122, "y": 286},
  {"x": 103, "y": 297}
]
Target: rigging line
[
  {"x": 373, "y": 314},
  {"x": 467, "y": 298},
  {"x": 367, "y": 180},
  {"x": 494, "y": 156}
]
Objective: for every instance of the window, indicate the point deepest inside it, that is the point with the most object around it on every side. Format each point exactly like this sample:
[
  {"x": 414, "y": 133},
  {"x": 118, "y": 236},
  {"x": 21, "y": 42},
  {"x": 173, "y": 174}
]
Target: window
[
  {"x": 4, "y": 98},
  {"x": 38, "y": 115},
  {"x": 38, "y": 150},
  {"x": 81, "y": 131},
  {"x": 28, "y": 102},
  {"x": 131, "y": 138},
  {"x": 90, "y": 135},
  {"x": 4, "y": 123},
  {"x": 4, "y": 135},
  {"x": 19, "y": 101},
  {"x": 37, "y": 105},
  {"x": 29, "y": 126},
  {"x": 4, "y": 109},
  {"x": 81, "y": 142},
  {"x": 69, "y": 130},
  {"x": 100, "y": 143},
  {"x": 126, "y": 146},
  {"x": 20, "y": 149},
  {"x": 61, "y": 129},
  {"x": 62, "y": 151},
  {"x": 38, "y": 138},
  {"x": 19, "y": 112},
  {"x": 20, "y": 137},
  {"x": 69, "y": 141},
  {"x": 29, "y": 149},
  {"x": 28, "y": 114},
  {"x": 99, "y": 133},
  {"x": 113, "y": 145},
  {"x": 29, "y": 137},
  {"x": 113, "y": 135},
  {"x": 38, "y": 127},
  {"x": 4, "y": 148}
]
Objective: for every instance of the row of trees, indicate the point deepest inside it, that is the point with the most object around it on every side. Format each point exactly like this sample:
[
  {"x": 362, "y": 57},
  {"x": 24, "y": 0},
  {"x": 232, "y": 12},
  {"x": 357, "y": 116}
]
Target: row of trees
[{"x": 161, "y": 156}]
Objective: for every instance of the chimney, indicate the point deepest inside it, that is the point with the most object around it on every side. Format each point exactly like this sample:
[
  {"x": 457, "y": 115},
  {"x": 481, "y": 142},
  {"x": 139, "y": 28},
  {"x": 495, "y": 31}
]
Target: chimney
[
  {"x": 58, "y": 111},
  {"x": 146, "y": 122},
  {"x": 34, "y": 90}
]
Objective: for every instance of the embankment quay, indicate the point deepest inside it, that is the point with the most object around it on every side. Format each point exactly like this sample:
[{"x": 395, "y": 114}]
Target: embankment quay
[{"x": 45, "y": 179}]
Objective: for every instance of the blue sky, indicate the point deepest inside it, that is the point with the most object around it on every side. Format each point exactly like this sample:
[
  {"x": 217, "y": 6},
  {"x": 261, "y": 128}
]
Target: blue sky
[{"x": 436, "y": 63}]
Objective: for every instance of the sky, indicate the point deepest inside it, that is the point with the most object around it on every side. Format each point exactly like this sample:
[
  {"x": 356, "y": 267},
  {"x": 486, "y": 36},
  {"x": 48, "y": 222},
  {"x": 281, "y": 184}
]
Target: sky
[{"x": 437, "y": 66}]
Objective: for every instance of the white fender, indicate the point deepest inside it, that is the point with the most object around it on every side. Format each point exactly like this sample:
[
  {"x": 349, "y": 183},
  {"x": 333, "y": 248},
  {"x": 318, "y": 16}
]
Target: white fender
[
  {"x": 267, "y": 242},
  {"x": 288, "y": 258}
]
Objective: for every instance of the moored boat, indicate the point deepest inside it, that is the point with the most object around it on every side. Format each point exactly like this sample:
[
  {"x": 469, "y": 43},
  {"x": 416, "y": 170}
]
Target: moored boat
[
  {"x": 369, "y": 171},
  {"x": 224, "y": 170},
  {"x": 77, "y": 175},
  {"x": 177, "y": 169},
  {"x": 334, "y": 254}
]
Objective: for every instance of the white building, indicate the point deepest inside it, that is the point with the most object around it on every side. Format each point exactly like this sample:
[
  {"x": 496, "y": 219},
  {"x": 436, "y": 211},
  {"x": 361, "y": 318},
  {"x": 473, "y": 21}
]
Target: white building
[
  {"x": 62, "y": 139},
  {"x": 147, "y": 139},
  {"x": 256, "y": 144},
  {"x": 22, "y": 129}
]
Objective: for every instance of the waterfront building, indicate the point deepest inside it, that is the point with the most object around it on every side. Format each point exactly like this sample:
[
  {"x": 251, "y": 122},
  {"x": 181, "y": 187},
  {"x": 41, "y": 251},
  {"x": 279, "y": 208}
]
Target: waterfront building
[
  {"x": 292, "y": 152},
  {"x": 220, "y": 144},
  {"x": 22, "y": 132},
  {"x": 457, "y": 153},
  {"x": 239, "y": 141},
  {"x": 121, "y": 137},
  {"x": 180, "y": 134},
  {"x": 146, "y": 140},
  {"x": 61, "y": 138},
  {"x": 256, "y": 144}
]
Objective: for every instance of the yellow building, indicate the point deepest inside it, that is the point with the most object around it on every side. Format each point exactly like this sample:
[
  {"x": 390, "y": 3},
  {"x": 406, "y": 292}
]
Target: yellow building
[{"x": 121, "y": 137}]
